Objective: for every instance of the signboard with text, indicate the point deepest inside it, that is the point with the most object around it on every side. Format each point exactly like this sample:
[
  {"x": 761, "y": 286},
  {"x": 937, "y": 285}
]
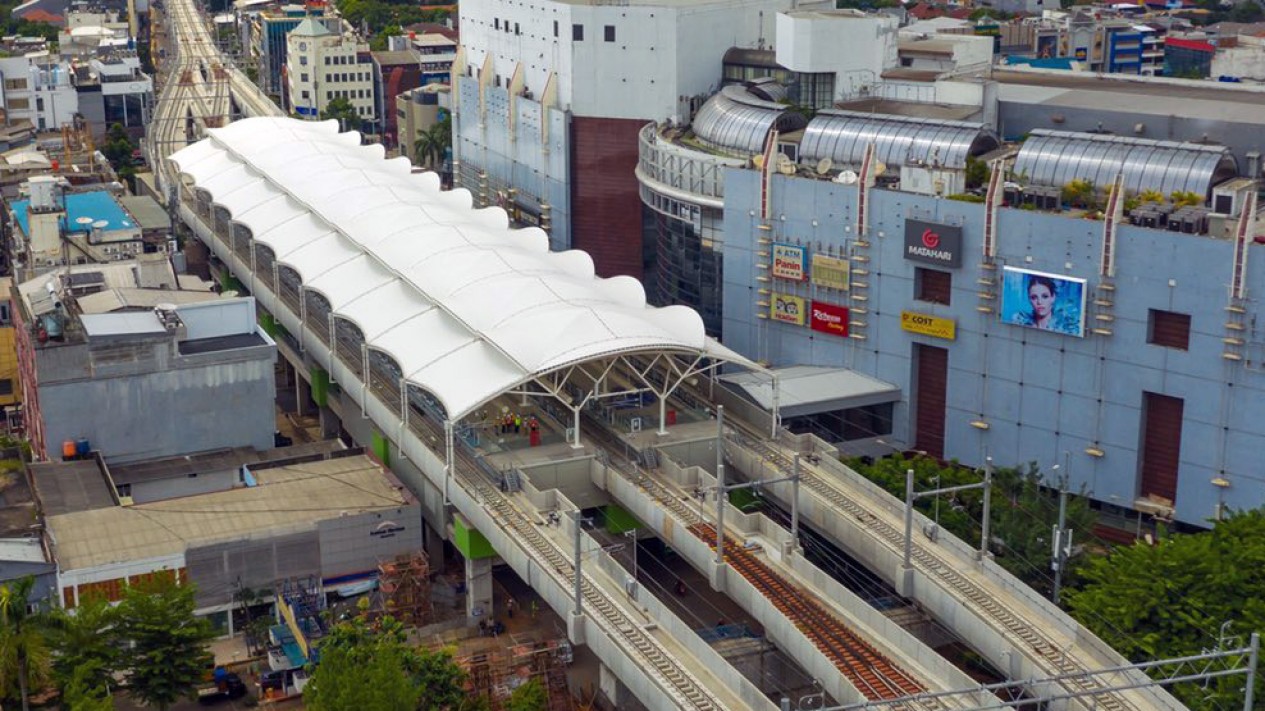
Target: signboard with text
[
  {"x": 928, "y": 325},
  {"x": 787, "y": 309},
  {"x": 829, "y": 318},
  {"x": 788, "y": 261},
  {"x": 931, "y": 243},
  {"x": 831, "y": 272}
]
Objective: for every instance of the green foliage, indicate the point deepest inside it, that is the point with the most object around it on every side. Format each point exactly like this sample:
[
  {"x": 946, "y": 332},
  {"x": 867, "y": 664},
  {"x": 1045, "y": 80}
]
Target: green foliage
[
  {"x": 429, "y": 148},
  {"x": 977, "y": 173},
  {"x": 378, "y": 42},
  {"x": 1081, "y": 193},
  {"x": 1247, "y": 12},
  {"x": 1168, "y": 600},
  {"x": 365, "y": 666},
  {"x": 85, "y": 693},
  {"x": 24, "y": 656},
  {"x": 529, "y": 696},
  {"x": 1022, "y": 513},
  {"x": 1151, "y": 195},
  {"x": 167, "y": 657},
  {"x": 965, "y": 197},
  {"x": 374, "y": 16},
  {"x": 86, "y": 644},
  {"x": 342, "y": 111},
  {"x": 1183, "y": 198}
]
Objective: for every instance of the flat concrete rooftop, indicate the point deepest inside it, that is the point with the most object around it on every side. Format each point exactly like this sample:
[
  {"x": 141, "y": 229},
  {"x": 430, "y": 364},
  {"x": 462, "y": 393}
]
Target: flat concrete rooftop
[{"x": 288, "y": 498}]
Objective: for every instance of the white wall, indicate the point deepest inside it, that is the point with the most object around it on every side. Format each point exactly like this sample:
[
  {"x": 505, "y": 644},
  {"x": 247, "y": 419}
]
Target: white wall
[
  {"x": 837, "y": 41},
  {"x": 659, "y": 55},
  {"x": 1247, "y": 61}
]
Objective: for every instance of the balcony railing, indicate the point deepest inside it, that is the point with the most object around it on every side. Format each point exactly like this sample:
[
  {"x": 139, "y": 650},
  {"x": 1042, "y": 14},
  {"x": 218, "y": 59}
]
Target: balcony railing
[{"x": 690, "y": 171}]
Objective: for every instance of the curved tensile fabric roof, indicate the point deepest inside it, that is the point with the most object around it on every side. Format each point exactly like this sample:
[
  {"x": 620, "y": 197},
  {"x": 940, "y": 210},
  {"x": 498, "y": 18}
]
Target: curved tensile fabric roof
[
  {"x": 736, "y": 120},
  {"x": 898, "y": 140},
  {"x": 467, "y": 307},
  {"x": 1059, "y": 157}
]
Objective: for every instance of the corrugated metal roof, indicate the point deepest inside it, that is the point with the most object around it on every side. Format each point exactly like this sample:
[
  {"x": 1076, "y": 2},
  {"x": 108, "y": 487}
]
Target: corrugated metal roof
[
  {"x": 843, "y": 136},
  {"x": 735, "y": 120},
  {"x": 1059, "y": 157},
  {"x": 21, "y": 550}
]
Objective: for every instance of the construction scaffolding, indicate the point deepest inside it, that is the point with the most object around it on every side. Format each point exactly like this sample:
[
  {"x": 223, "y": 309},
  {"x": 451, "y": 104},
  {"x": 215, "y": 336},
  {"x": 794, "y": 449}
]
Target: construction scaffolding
[
  {"x": 495, "y": 674},
  {"x": 404, "y": 588}
]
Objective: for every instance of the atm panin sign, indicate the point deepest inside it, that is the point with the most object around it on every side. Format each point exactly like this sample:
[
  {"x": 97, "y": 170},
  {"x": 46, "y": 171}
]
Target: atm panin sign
[
  {"x": 788, "y": 262},
  {"x": 829, "y": 318}
]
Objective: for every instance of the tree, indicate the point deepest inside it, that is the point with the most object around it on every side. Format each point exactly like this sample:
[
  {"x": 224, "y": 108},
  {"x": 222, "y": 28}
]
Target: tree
[
  {"x": 24, "y": 658},
  {"x": 1171, "y": 599},
  {"x": 529, "y": 696},
  {"x": 379, "y": 41},
  {"x": 83, "y": 693},
  {"x": 430, "y": 147},
  {"x": 363, "y": 666},
  {"x": 1022, "y": 515},
  {"x": 1247, "y": 12},
  {"x": 85, "y": 642},
  {"x": 977, "y": 173},
  {"x": 342, "y": 111},
  {"x": 167, "y": 657}
]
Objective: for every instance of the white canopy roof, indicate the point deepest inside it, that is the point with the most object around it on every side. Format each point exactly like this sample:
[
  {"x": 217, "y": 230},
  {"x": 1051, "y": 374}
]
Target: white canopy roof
[{"x": 466, "y": 306}]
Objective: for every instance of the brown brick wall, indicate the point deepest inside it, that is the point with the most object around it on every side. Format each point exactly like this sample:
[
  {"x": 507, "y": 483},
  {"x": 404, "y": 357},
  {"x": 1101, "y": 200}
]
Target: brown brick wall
[{"x": 605, "y": 207}]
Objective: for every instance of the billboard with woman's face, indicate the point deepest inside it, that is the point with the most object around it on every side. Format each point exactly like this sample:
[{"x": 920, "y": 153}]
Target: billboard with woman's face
[{"x": 1049, "y": 302}]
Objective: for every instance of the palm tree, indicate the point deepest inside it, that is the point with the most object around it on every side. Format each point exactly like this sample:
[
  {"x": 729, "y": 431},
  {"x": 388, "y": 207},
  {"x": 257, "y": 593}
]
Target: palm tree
[
  {"x": 24, "y": 658},
  {"x": 431, "y": 145}
]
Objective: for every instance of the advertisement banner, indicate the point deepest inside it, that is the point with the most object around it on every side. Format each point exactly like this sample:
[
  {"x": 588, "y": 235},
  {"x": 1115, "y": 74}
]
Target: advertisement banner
[
  {"x": 829, "y": 318},
  {"x": 787, "y": 309},
  {"x": 928, "y": 325},
  {"x": 831, "y": 272},
  {"x": 788, "y": 261},
  {"x": 931, "y": 243},
  {"x": 1050, "y": 302}
]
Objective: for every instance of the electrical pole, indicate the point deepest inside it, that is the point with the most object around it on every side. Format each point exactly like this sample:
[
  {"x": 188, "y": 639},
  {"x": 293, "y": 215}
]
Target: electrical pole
[
  {"x": 1062, "y": 539},
  {"x": 988, "y": 499},
  {"x": 909, "y": 517},
  {"x": 578, "y": 523},
  {"x": 795, "y": 504},
  {"x": 720, "y": 485}
]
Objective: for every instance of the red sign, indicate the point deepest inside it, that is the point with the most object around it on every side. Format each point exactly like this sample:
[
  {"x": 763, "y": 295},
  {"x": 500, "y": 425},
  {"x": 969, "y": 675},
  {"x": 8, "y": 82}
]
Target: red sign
[
  {"x": 930, "y": 239},
  {"x": 829, "y": 318}
]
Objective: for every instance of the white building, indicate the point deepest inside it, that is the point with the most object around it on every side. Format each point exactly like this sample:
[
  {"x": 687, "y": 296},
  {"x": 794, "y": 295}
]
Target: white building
[
  {"x": 549, "y": 97},
  {"x": 854, "y": 46},
  {"x": 322, "y": 66},
  {"x": 37, "y": 88}
]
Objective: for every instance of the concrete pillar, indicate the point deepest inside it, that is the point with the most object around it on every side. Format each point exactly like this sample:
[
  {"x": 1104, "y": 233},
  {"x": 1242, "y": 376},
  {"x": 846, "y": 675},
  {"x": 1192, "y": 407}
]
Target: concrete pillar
[
  {"x": 302, "y": 396},
  {"x": 434, "y": 548},
  {"x": 478, "y": 590},
  {"x": 330, "y": 423}
]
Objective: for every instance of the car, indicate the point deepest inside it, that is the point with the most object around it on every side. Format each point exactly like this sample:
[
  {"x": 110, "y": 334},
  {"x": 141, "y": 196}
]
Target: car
[{"x": 225, "y": 687}]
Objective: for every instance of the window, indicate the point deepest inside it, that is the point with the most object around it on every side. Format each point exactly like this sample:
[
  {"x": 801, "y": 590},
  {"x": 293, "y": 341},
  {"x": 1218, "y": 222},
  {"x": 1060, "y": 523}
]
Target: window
[
  {"x": 1169, "y": 329},
  {"x": 497, "y": 23},
  {"x": 6, "y": 386},
  {"x": 20, "y": 103},
  {"x": 555, "y": 28},
  {"x": 610, "y": 33},
  {"x": 123, "y": 489},
  {"x": 14, "y": 84},
  {"x": 515, "y": 28},
  {"x": 6, "y": 318},
  {"x": 303, "y": 94},
  {"x": 577, "y": 33},
  {"x": 303, "y": 61},
  {"x": 932, "y": 285},
  {"x": 327, "y": 61},
  {"x": 303, "y": 77}
]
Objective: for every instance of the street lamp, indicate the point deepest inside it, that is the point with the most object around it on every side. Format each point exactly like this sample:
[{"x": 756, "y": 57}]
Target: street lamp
[{"x": 1222, "y": 484}]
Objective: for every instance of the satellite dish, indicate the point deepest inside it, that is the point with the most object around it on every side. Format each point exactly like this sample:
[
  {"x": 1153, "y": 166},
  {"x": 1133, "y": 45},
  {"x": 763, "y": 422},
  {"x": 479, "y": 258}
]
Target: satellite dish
[
  {"x": 848, "y": 177},
  {"x": 101, "y": 224},
  {"x": 824, "y": 165},
  {"x": 879, "y": 168},
  {"x": 785, "y": 165},
  {"x": 758, "y": 161},
  {"x": 83, "y": 220}
]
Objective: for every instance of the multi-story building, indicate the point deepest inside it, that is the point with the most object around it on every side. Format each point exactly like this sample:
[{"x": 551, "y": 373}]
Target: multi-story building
[
  {"x": 395, "y": 71},
  {"x": 38, "y": 88},
  {"x": 10, "y": 383},
  {"x": 550, "y": 96},
  {"x": 265, "y": 29},
  {"x": 112, "y": 90},
  {"x": 322, "y": 66},
  {"x": 115, "y": 353},
  {"x": 416, "y": 111},
  {"x": 1013, "y": 322}
]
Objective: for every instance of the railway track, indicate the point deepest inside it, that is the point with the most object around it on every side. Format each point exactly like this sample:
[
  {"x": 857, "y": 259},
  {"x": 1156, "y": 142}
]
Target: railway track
[
  {"x": 1056, "y": 662},
  {"x": 687, "y": 690},
  {"x": 876, "y": 677}
]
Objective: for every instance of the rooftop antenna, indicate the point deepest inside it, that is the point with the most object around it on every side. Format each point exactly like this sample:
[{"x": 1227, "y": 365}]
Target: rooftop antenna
[{"x": 760, "y": 42}]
